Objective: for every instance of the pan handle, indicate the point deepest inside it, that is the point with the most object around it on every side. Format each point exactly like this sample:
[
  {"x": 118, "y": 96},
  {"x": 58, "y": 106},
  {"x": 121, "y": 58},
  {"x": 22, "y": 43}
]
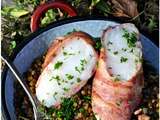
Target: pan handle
[{"x": 40, "y": 10}]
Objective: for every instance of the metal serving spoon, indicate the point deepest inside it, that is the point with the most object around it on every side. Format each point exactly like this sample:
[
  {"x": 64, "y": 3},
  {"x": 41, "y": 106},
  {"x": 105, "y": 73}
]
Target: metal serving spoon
[{"x": 22, "y": 82}]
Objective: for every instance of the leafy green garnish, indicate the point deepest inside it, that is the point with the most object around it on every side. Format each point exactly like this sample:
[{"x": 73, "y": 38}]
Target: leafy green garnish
[
  {"x": 124, "y": 49},
  {"x": 115, "y": 53},
  {"x": 66, "y": 89},
  {"x": 81, "y": 67},
  {"x": 57, "y": 78},
  {"x": 98, "y": 44},
  {"x": 109, "y": 43},
  {"x": 77, "y": 69},
  {"x": 69, "y": 76},
  {"x": 83, "y": 62},
  {"x": 67, "y": 109},
  {"x": 66, "y": 53},
  {"x": 87, "y": 98},
  {"x": 58, "y": 65},
  {"x": 130, "y": 37},
  {"x": 123, "y": 59},
  {"x": 78, "y": 80}
]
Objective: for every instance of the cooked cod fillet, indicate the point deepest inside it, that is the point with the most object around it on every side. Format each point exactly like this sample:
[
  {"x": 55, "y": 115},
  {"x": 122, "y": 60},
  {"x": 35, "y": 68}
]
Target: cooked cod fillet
[{"x": 118, "y": 82}]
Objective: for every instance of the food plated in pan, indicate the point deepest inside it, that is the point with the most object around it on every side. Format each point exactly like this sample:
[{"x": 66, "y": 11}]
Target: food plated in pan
[{"x": 82, "y": 101}]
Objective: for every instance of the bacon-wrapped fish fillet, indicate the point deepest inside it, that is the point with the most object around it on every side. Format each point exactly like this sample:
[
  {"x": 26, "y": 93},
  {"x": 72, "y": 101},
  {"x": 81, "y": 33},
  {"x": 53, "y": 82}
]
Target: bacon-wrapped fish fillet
[
  {"x": 69, "y": 63},
  {"x": 118, "y": 82}
]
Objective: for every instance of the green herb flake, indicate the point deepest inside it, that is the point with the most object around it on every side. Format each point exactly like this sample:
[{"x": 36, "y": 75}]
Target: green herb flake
[
  {"x": 66, "y": 89},
  {"x": 78, "y": 80},
  {"x": 115, "y": 53},
  {"x": 131, "y": 51},
  {"x": 83, "y": 62},
  {"x": 55, "y": 77},
  {"x": 58, "y": 65},
  {"x": 98, "y": 44},
  {"x": 55, "y": 93},
  {"x": 123, "y": 59},
  {"x": 64, "y": 53},
  {"x": 130, "y": 37},
  {"x": 109, "y": 49},
  {"x": 124, "y": 49},
  {"x": 69, "y": 77},
  {"x": 87, "y": 98},
  {"x": 76, "y": 68},
  {"x": 72, "y": 83},
  {"x": 136, "y": 61},
  {"x": 82, "y": 110},
  {"x": 109, "y": 43}
]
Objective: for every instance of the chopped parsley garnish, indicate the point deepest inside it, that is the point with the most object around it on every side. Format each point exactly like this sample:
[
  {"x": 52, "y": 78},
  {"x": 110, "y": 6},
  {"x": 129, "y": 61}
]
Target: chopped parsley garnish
[
  {"x": 78, "y": 80},
  {"x": 124, "y": 49},
  {"x": 55, "y": 93},
  {"x": 72, "y": 83},
  {"x": 76, "y": 68},
  {"x": 109, "y": 49},
  {"x": 57, "y": 78},
  {"x": 131, "y": 51},
  {"x": 69, "y": 77},
  {"x": 83, "y": 62},
  {"x": 81, "y": 67},
  {"x": 98, "y": 44},
  {"x": 136, "y": 61},
  {"x": 109, "y": 43},
  {"x": 66, "y": 53},
  {"x": 43, "y": 101},
  {"x": 87, "y": 98},
  {"x": 115, "y": 53},
  {"x": 58, "y": 65},
  {"x": 66, "y": 89},
  {"x": 123, "y": 59},
  {"x": 130, "y": 37}
]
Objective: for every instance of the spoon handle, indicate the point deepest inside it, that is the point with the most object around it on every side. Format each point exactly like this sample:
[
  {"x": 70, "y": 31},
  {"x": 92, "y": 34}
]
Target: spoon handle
[{"x": 22, "y": 83}]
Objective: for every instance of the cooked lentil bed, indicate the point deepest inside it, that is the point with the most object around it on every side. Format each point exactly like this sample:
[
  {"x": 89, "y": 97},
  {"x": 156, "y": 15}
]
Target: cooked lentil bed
[{"x": 78, "y": 107}]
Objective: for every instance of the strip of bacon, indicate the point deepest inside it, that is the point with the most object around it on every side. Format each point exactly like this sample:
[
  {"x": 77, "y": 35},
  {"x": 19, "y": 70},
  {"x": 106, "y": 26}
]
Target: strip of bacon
[{"x": 118, "y": 82}]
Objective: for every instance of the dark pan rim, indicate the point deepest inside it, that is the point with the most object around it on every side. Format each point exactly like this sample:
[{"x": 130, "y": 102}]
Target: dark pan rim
[{"x": 5, "y": 112}]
